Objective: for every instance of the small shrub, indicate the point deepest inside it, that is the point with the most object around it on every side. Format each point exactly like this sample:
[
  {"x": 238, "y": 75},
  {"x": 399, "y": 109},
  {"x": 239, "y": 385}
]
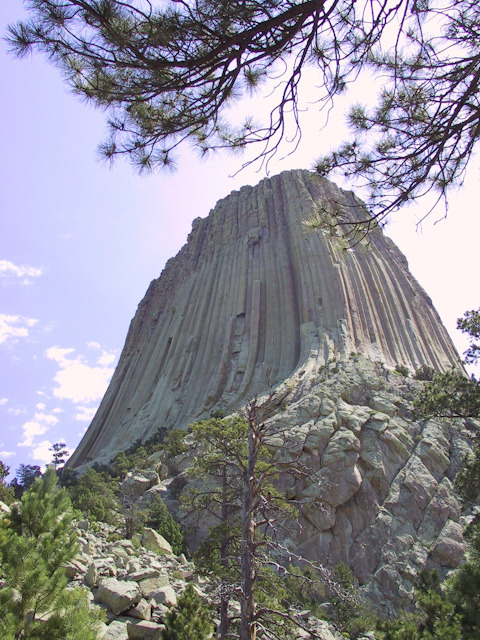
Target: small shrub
[
  {"x": 114, "y": 537},
  {"x": 189, "y": 620},
  {"x": 424, "y": 373},
  {"x": 174, "y": 442},
  {"x": 402, "y": 370}
]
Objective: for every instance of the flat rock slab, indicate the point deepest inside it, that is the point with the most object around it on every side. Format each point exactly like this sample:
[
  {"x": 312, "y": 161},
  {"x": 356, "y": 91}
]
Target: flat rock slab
[
  {"x": 118, "y": 595},
  {"x": 153, "y": 541},
  {"x": 144, "y": 629},
  {"x": 150, "y": 585},
  {"x": 165, "y": 595}
]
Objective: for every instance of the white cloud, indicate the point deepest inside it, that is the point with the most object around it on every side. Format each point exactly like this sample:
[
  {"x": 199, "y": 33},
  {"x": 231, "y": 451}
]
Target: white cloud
[
  {"x": 7, "y": 454},
  {"x": 85, "y": 413},
  {"x": 31, "y": 429},
  {"x": 9, "y": 270},
  {"x": 59, "y": 354},
  {"x": 3, "y": 401},
  {"x": 14, "y": 327},
  {"x": 106, "y": 359},
  {"x": 39, "y": 425},
  {"x": 42, "y": 452},
  {"x": 78, "y": 381}
]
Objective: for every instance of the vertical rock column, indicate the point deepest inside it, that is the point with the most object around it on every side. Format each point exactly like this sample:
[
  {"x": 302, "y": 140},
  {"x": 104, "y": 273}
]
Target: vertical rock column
[{"x": 250, "y": 297}]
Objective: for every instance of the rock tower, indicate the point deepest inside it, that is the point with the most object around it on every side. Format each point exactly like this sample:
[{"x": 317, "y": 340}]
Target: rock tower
[{"x": 253, "y": 295}]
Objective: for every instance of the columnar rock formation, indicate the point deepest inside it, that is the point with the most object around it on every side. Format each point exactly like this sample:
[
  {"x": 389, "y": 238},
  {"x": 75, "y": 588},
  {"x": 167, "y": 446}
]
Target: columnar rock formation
[{"x": 253, "y": 295}]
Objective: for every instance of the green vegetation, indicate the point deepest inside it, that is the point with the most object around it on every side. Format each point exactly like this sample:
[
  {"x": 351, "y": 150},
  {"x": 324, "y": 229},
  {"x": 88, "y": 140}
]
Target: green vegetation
[
  {"x": 236, "y": 461},
  {"x": 95, "y": 495},
  {"x": 452, "y": 394},
  {"x": 351, "y": 616},
  {"x": 190, "y": 619},
  {"x": 6, "y": 492},
  {"x": 25, "y": 476},
  {"x": 35, "y": 543},
  {"x": 59, "y": 454},
  {"x": 450, "y": 611},
  {"x": 424, "y": 373},
  {"x": 157, "y": 516},
  {"x": 402, "y": 370},
  {"x": 233, "y": 468},
  {"x": 435, "y": 618}
]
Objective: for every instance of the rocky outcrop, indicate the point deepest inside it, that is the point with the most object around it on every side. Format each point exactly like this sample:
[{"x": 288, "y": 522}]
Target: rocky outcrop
[
  {"x": 253, "y": 296},
  {"x": 137, "y": 587},
  {"x": 379, "y": 492}
]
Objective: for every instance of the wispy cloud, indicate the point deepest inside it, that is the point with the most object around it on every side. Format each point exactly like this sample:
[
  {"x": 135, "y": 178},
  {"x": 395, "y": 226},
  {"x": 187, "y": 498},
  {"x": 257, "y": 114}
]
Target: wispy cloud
[
  {"x": 15, "y": 411},
  {"x": 13, "y": 327},
  {"x": 7, "y": 454},
  {"x": 3, "y": 401},
  {"x": 10, "y": 271},
  {"x": 76, "y": 379}
]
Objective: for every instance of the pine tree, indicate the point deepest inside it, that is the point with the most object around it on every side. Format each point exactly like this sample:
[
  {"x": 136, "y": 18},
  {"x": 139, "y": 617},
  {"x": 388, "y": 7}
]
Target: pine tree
[
  {"x": 463, "y": 586},
  {"x": 168, "y": 72},
  {"x": 189, "y": 620},
  {"x": 36, "y": 541},
  {"x": 59, "y": 454},
  {"x": 237, "y": 461},
  {"x": 436, "y": 618},
  {"x": 6, "y": 492}
]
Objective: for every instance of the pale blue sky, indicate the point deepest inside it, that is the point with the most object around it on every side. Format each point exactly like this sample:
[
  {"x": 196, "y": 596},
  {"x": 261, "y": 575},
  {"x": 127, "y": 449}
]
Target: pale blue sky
[{"x": 80, "y": 243}]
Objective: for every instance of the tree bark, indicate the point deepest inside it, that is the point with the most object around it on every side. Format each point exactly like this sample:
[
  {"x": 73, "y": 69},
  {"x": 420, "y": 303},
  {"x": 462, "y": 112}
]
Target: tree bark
[
  {"x": 248, "y": 625},
  {"x": 224, "y": 595}
]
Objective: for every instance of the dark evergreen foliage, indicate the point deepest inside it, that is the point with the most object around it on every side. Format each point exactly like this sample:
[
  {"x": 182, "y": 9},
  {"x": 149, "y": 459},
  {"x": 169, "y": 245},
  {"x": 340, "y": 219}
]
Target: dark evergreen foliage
[
  {"x": 6, "y": 492},
  {"x": 95, "y": 495},
  {"x": 189, "y": 620},
  {"x": 35, "y": 543}
]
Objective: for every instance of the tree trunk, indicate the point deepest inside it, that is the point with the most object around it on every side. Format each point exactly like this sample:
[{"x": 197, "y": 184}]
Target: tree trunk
[
  {"x": 248, "y": 625},
  {"x": 224, "y": 595}
]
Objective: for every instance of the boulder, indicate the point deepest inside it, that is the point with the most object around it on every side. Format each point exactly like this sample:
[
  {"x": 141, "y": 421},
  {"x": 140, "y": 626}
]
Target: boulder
[
  {"x": 116, "y": 630},
  {"x": 142, "y": 610},
  {"x": 92, "y": 576},
  {"x": 4, "y": 508},
  {"x": 138, "y": 482},
  {"x": 144, "y": 629},
  {"x": 155, "y": 542},
  {"x": 165, "y": 595},
  {"x": 118, "y": 595},
  {"x": 150, "y": 585}
]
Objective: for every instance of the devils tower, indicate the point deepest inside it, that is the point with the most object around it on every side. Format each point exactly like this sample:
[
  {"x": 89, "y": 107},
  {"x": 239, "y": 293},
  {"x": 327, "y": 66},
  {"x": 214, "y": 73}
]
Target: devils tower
[{"x": 255, "y": 293}]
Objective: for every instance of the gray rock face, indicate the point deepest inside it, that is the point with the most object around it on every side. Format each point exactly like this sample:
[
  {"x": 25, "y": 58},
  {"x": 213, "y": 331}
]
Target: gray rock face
[
  {"x": 379, "y": 493},
  {"x": 253, "y": 296}
]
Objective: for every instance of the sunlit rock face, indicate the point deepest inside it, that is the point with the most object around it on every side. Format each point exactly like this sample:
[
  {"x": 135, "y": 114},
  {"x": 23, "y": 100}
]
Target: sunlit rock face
[{"x": 253, "y": 295}]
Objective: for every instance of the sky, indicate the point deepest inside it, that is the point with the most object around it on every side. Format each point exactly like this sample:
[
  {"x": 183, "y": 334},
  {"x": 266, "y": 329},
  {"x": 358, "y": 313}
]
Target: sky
[{"x": 81, "y": 241}]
